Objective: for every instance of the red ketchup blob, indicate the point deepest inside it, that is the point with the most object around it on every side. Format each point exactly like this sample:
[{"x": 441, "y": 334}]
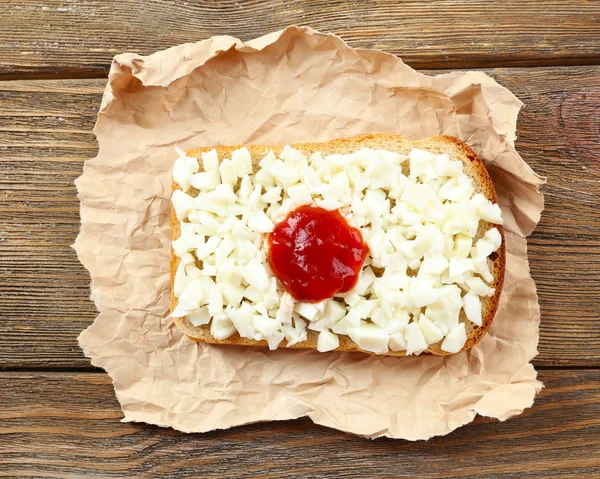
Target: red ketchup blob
[{"x": 315, "y": 253}]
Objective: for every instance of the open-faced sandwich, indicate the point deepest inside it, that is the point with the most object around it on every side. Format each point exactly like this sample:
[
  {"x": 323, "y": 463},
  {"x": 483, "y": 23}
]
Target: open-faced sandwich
[{"x": 373, "y": 243}]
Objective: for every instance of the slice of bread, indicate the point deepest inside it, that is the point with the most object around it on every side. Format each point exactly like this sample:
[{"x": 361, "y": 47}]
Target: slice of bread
[{"x": 455, "y": 148}]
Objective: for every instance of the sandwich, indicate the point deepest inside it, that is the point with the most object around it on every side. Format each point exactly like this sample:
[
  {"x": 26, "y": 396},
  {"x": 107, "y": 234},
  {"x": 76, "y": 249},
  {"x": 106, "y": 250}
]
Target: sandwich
[{"x": 375, "y": 244}]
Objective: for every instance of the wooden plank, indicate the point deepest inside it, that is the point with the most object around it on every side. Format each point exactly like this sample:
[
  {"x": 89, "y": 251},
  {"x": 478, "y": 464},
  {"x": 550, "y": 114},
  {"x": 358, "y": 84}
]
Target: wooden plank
[
  {"x": 67, "y": 425},
  {"x": 45, "y": 135},
  {"x": 64, "y": 38}
]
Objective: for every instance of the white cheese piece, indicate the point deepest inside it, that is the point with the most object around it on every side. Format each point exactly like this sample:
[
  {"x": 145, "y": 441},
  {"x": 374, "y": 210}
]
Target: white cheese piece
[
  {"x": 265, "y": 325},
  {"x": 182, "y": 204},
  {"x": 192, "y": 296},
  {"x": 245, "y": 251},
  {"x": 391, "y": 157},
  {"x": 334, "y": 311},
  {"x": 431, "y": 332},
  {"x": 209, "y": 269},
  {"x": 415, "y": 341},
  {"x": 445, "y": 167},
  {"x": 459, "y": 267},
  {"x": 205, "y": 180},
  {"x": 187, "y": 258},
  {"x": 320, "y": 324},
  {"x": 228, "y": 172},
  {"x": 253, "y": 294},
  {"x": 293, "y": 156},
  {"x": 377, "y": 204},
  {"x": 455, "y": 339},
  {"x": 215, "y": 303},
  {"x": 255, "y": 275},
  {"x": 210, "y": 160},
  {"x": 364, "y": 307},
  {"x": 422, "y": 294},
  {"x": 272, "y": 297},
  {"x": 299, "y": 194},
  {"x": 261, "y": 308},
  {"x": 208, "y": 224},
  {"x": 341, "y": 181},
  {"x": 370, "y": 337},
  {"x": 206, "y": 202},
  {"x": 292, "y": 336},
  {"x": 397, "y": 264},
  {"x": 420, "y": 196},
  {"x": 478, "y": 200},
  {"x": 183, "y": 169},
  {"x": 199, "y": 317},
  {"x": 307, "y": 310},
  {"x": 180, "y": 281},
  {"x": 329, "y": 204},
  {"x": 482, "y": 249},
  {"x": 267, "y": 161},
  {"x": 260, "y": 223},
  {"x": 482, "y": 268},
  {"x": 352, "y": 298},
  {"x": 224, "y": 194},
  {"x": 434, "y": 265},
  {"x": 376, "y": 243},
  {"x": 358, "y": 206},
  {"x": 221, "y": 327},
  {"x": 245, "y": 189},
  {"x": 286, "y": 308},
  {"x": 274, "y": 340},
  {"x": 364, "y": 157},
  {"x": 227, "y": 225},
  {"x": 265, "y": 178},
  {"x": 192, "y": 272},
  {"x": 299, "y": 324},
  {"x": 310, "y": 178},
  {"x": 494, "y": 237},
  {"x": 232, "y": 295},
  {"x": 225, "y": 248},
  {"x": 272, "y": 195},
  {"x": 241, "y": 231},
  {"x": 398, "y": 321},
  {"x": 284, "y": 174},
  {"x": 472, "y": 307},
  {"x": 254, "y": 204},
  {"x": 208, "y": 248},
  {"x": 380, "y": 318},
  {"x": 462, "y": 192},
  {"x": 477, "y": 286},
  {"x": 327, "y": 341},
  {"x": 242, "y": 161},
  {"x": 491, "y": 212},
  {"x": 462, "y": 246},
  {"x": 365, "y": 280},
  {"x": 350, "y": 320},
  {"x": 398, "y": 341},
  {"x": 419, "y": 161},
  {"x": 188, "y": 242}
]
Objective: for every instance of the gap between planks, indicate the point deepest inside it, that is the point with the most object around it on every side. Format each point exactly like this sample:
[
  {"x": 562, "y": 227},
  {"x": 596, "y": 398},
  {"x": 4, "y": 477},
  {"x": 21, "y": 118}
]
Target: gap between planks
[
  {"x": 95, "y": 370},
  {"x": 102, "y": 72}
]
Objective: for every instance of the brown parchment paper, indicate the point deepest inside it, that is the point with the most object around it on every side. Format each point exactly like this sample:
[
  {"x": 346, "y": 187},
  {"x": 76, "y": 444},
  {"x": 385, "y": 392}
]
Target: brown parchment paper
[{"x": 296, "y": 85}]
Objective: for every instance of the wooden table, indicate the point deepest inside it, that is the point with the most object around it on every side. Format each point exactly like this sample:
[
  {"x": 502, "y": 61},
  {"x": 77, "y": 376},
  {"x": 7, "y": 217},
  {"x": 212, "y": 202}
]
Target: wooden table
[{"x": 59, "y": 417}]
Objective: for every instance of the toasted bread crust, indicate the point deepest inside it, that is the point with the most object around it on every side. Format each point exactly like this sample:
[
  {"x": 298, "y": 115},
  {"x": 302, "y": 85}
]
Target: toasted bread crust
[{"x": 473, "y": 167}]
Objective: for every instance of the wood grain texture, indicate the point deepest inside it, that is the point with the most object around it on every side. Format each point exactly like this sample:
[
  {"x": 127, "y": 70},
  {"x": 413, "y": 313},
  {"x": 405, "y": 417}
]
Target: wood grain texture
[
  {"x": 67, "y": 425},
  {"x": 66, "y": 38},
  {"x": 45, "y": 136}
]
